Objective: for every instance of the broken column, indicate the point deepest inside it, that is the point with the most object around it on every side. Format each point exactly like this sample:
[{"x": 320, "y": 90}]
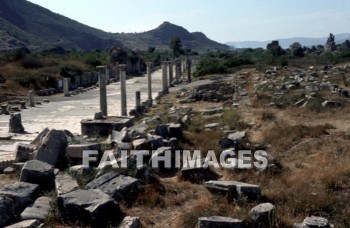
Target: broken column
[
  {"x": 177, "y": 70},
  {"x": 122, "y": 68},
  {"x": 138, "y": 100},
  {"x": 149, "y": 80},
  {"x": 107, "y": 74},
  {"x": 164, "y": 78},
  {"x": 188, "y": 65},
  {"x": 103, "y": 89},
  {"x": 65, "y": 87},
  {"x": 31, "y": 98},
  {"x": 15, "y": 124},
  {"x": 171, "y": 74}
]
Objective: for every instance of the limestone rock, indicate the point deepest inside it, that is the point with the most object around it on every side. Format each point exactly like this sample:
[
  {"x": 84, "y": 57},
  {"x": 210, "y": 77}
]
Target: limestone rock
[
  {"x": 38, "y": 172},
  {"x": 38, "y": 210},
  {"x": 262, "y": 214},
  {"x": 52, "y": 149},
  {"x": 130, "y": 222},
  {"x": 7, "y": 212},
  {"x": 32, "y": 223},
  {"x": 64, "y": 183},
  {"x": 218, "y": 221},
  {"x": 91, "y": 207},
  {"x": 21, "y": 193},
  {"x": 15, "y": 125},
  {"x": 118, "y": 186}
]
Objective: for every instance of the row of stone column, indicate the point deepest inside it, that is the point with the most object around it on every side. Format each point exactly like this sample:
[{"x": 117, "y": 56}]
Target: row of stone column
[
  {"x": 123, "y": 100},
  {"x": 167, "y": 81}
]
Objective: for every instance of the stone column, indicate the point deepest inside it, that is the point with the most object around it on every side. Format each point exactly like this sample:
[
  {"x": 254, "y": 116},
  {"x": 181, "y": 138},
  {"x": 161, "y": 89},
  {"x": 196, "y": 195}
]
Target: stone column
[
  {"x": 138, "y": 100},
  {"x": 122, "y": 70},
  {"x": 177, "y": 70},
  {"x": 171, "y": 74},
  {"x": 107, "y": 74},
  {"x": 101, "y": 70},
  {"x": 65, "y": 86},
  {"x": 188, "y": 65},
  {"x": 15, "y": 124},
  {"x": 31, "y": 98},
  {"x": 117, "y": 71},
  {"x": 149, "y": 80},
  {"x": 165, "y": 78}
]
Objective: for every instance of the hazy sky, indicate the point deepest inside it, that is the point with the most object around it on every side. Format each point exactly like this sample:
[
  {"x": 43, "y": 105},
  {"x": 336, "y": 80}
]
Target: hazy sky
[{"x": 220, "y": 20}]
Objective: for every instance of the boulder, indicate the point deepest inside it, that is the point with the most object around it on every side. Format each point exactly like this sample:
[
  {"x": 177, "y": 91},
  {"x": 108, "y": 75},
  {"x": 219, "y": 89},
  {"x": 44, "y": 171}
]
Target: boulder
[
  {"x": 21, "y": 193},
  {"x": 263, "y": 214},
  {"x": 175, "y": 131},
  {"x": 118, "y": 186},
  {"x": 64, "y": 183},
  {"x": 91, "y": 207},
  {"x": 32, "y": 223},
  {"x": 141, "y": 144},
  {"x": 7, "y": 212},
  {"x": 218, "y": 221},
  {"x": 237, "y": 136},
  {"x": 80, "y": 170},
  {"x": 25, "y": 152},
  {"x": 15, "y": 124},
  {"x": 197, "y": 174},
  {"x": 76, "y": 150},
  {"x": 38, "y": 210},
  {"x": 234, "y": 189},
  {"x": 331, "y": 104},
  {"x": 130, "y": 222},
  {"x": 52, "y": 149},
  {"x": 314, "y": 221},
  {"x": 162, "y": 130},
  {"x": 38, "y": 172}
]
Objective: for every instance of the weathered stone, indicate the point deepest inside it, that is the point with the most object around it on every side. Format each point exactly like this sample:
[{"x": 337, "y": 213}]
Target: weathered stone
[
  {"x": 21, "y": 193},
  {"x": 162, "y": 130},
  {"x": 9, "y": 170},
  {"x": 226, "y": 143},
  {"x": 7, "y": 212},
  {"x": 175, "y": 130},
  {"x": 76, "y": 150},
  {"x": 213, "y": 125},
  {"x": 64, "y": 183},
  {"x": 38, "y": 172},
  {"x": 91, "y": 207},
  {"x": 198, "y": 174},
  {"x": 263, "y": 214},
  {"x": 53, "y": 148},
  {"x": 234, "y": 189},
  {"x": 173, "y": 143},
  {"x": 118, "y": 186},
  {"x": 141, "y": 144},
  {"x": 25, "y": 152},
  {"x": 80, "y": 170},
  {"x": 314, "y": 221},
  {"x": 15, "y": 125},
  {"x": 331, "y": 104},
  {"x": 218, "y": 221},
  {"x": 237, "y": 135},
  {"x": 32, "y": 223},
  {"x": 130, "y": 222},
  {"x": 38, "y": 210}
]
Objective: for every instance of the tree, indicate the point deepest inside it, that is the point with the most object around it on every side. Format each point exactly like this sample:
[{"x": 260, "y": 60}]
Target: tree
[
  {"x": 275, "y": 48},
  {"x": 176, "y": 46},
  {"x": 297, "y": 50}
]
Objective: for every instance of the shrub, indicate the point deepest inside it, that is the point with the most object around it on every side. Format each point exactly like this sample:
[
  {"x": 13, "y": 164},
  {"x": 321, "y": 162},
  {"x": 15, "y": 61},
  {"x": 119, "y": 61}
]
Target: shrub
[
  {"x": 27, "y": 79},
  {"x": 268, "y": 116},
  {"x": 31, "y": 62}
]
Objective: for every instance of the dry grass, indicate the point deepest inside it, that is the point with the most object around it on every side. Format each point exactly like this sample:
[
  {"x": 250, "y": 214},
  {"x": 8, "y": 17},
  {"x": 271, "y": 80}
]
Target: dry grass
[
  {"x": 281, "y": 136},
  {"x": 315, "y": 181}
]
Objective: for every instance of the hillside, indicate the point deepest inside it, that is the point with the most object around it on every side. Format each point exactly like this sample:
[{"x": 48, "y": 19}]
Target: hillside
[
  {"x": 161, "y": 36},
  {"x": 20, "y": 27},
  {"x": 23, "y": 23},
  {"x": 285, "y": 43}
]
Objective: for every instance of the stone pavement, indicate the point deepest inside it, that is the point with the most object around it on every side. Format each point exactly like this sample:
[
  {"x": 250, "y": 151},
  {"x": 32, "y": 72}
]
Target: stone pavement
[{"x": 67, "y": 112}]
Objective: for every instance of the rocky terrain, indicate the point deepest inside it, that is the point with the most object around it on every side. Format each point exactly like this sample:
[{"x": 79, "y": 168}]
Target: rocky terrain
[{"x": 298, "y": 116}]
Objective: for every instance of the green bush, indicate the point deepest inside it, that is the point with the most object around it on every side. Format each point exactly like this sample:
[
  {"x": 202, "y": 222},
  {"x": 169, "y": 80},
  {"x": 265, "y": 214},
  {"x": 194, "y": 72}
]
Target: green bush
[
  {"x": 27, "y": 79},
  {"x": 31, "y": 62}
]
